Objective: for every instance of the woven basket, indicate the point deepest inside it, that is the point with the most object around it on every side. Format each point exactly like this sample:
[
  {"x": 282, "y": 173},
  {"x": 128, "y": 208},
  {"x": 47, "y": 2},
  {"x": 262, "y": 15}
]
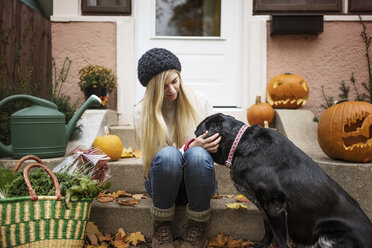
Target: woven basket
[{"x": 42, "y": 221}]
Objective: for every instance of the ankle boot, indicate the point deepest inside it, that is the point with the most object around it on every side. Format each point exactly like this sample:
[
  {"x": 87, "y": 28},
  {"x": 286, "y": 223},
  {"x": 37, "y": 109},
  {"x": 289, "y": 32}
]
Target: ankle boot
[
  {"x": 195, "y": 235},
  {"x": 162, "y": 237}
]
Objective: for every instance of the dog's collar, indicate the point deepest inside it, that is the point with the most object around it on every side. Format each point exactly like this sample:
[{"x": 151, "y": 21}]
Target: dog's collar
[{"x": 235, "y": 144}]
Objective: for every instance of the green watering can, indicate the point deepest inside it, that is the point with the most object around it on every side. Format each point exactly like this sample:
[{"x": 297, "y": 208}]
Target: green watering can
[{"x": 40, "y": 129}]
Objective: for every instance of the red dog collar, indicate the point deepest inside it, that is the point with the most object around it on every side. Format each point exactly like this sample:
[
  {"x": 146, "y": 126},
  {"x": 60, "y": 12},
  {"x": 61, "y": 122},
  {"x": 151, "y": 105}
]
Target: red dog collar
[{"x": 235, "y": 144}]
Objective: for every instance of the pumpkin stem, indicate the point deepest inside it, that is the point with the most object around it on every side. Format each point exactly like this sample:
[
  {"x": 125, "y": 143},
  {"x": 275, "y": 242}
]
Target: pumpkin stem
[
  {"x": 288, "y": 73},
  {"x": 106, "y": 131},
  {"x": 258, "y": 99}
]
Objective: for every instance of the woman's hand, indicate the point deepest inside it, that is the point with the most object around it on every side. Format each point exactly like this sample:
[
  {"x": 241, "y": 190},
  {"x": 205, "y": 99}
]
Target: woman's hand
[{"x": 210, "y": 144}]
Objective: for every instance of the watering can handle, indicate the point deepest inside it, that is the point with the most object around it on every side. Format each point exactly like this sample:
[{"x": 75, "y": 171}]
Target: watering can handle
[{"x": 35, "y": 101}]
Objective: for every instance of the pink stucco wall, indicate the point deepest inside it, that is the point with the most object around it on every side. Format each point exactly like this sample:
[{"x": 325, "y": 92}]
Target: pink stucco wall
[
  {"x": 324, "y": 59},
  {"x": 84, "y": 43}
]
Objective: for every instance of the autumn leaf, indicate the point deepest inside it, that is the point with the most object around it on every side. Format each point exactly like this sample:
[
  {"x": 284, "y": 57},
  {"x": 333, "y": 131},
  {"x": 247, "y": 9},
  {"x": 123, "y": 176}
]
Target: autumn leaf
[
  {"x": 217, "y": 196},
  {"x": 127, "y": 152},
  {"x": 121, "y": 234},
  {"x": 136, "y": 237},
  {"x": 91, "y": 228},
  {"x": 139, "y": 196},
  {"x": 131, "y": 202},
  {"x": 229, "y": 196},
  {"x": 102, "y": 245},
  {"x": 242, "y": 198},
  {"x": 247, "y": 244},
  {"x": 233, "y": 243},
  {"x": 218, "y": 241},
  {"x": 102, "y": 237},
  {"x": 119, "y": 244},
  {"x": 137, "y": 153},
  {"x": 105, "y": 198},
  {"x": 91, "y": 232},
  {"x": 93, "y": 240},
  {"x": 121, "y": 193},
  {"x": 236, "y": 205}
]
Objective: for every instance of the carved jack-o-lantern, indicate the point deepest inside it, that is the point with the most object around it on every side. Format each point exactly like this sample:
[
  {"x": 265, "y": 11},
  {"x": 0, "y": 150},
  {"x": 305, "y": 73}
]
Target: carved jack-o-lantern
[
  {"x": 345, "y": 131},
  {"x": 287, "y": 91}
]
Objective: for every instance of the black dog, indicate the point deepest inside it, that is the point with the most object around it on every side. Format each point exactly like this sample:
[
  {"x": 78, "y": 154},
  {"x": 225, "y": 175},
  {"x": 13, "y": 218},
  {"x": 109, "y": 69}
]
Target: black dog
[{"x": 297, "y": 200}]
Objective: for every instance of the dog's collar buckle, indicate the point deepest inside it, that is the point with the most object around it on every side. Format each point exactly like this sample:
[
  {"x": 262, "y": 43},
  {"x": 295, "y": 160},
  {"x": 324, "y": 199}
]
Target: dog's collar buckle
[{"x": 235, "y": 145}]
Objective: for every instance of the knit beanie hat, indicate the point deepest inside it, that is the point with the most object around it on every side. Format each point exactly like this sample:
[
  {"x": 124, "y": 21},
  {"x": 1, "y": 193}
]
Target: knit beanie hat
[{"x": 155, "y": 61}]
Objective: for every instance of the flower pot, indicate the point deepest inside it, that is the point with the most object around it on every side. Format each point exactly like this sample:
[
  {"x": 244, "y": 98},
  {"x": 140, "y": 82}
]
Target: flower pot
[{"x": 102, "y": 93}]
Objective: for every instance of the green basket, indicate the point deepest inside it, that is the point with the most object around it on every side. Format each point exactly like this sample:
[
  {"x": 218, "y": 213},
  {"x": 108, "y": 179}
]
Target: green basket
[{"x": 43, "y": 221}]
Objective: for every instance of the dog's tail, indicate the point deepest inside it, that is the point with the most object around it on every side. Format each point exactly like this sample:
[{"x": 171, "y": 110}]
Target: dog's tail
[{"x": 329, "y": 233}]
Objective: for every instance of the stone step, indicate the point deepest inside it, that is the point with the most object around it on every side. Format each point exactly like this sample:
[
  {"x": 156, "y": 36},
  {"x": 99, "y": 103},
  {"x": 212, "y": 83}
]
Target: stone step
[
  {"x": 238, "y": 223},
  {"x": 128, "y": 174},
  {"x": 126, "y": 134}
]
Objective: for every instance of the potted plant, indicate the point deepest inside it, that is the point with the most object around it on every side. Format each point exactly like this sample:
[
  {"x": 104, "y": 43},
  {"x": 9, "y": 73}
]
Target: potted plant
[{"x": 97, "y": 80}]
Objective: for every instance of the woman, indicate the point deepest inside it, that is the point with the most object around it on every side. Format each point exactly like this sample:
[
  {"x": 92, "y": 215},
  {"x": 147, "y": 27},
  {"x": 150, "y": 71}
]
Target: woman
[{"x": 178, "y": 167}]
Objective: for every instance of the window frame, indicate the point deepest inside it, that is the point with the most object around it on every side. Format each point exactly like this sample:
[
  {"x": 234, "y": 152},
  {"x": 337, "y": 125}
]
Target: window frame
[{"x": 100, "y": 10}]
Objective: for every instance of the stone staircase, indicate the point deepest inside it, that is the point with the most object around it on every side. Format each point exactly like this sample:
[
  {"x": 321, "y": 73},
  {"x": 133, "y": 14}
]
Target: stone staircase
[{"x": 127, "y": 174}]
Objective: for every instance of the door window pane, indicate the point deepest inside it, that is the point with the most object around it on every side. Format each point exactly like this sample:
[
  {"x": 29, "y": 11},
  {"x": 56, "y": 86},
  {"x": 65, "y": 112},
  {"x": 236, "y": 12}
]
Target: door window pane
[{"x": 188, "y": 17}]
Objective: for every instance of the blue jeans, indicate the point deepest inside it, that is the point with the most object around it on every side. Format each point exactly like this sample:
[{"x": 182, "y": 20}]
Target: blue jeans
[{"x": 169, "y": 170}]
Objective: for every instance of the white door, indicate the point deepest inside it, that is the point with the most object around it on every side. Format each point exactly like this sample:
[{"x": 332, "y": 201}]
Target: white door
[{"x": 205, "y": 35}]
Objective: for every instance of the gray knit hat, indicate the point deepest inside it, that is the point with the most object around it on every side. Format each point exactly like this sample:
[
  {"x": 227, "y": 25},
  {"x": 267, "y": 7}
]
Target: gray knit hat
[{"x": 155, "y": 61}]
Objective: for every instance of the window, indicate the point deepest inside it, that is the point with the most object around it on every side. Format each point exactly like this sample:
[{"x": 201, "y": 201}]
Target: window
[
  {"x": 360, "y": 6},
  {"x": 277, "y": 6},
  {"x": 106, "y": 7},
  {"x": 188, "y": 18}
]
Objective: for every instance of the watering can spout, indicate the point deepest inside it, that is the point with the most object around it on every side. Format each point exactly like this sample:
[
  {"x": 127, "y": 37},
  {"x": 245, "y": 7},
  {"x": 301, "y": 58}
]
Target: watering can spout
[{"x": 93, "y": 100}]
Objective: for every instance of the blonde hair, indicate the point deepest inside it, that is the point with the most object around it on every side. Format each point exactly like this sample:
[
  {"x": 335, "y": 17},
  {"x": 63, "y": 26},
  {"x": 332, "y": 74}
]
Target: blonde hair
[{"x": 153, "y": 127}]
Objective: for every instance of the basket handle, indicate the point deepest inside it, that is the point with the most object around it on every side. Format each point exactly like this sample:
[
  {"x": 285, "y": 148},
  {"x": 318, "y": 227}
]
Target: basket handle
[
  {"x": 23, "y": 159},
  {"x": 34, "y": 197}
]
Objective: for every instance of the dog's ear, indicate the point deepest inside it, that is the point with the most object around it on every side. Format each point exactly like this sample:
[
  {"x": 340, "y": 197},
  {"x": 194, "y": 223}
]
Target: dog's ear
[{"x": 212, "y": 124}]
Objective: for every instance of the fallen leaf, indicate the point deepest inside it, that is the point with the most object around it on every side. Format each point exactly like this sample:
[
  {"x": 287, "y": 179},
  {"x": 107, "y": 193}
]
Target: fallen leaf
[
  {"x": 135, "y": 238},
  {"x": 242, "y": 198},
  {"x": 102, "y": 245},
  {"x": 139, "y": 196},
  {"x": 105, "y": 198},
  {"x": 229, "y": 196},
  {"x": 120, "y": 234},
  {"x": 247, "y": 244},
  {"x": 126, "y": 155},
  {"x": 234, "y": 243},
  {"x": 217, "y": 196},
  {"x": 121, "y": 193},
  {"x": 137, "y": 153},
  {"x": 131, "y": 202},
  {"x": 93, "y": 240},
  {"x": 218, "y": 241},
  {"x": 91, "y": 228},
  {"x": 127, "y": 152},
  {"x": 102, "y": 237},
  {"x": 119, "y": 244},
  {"x": 236, "y": 205}
]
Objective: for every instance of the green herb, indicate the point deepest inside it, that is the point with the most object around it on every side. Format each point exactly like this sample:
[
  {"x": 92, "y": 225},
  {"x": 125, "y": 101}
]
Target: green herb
[
  {"x": 86, "y": 188},
  {"x": 6, "y": 177},
  {"x": 71, "y": 186},
  {"x": 40, "y": 182}
]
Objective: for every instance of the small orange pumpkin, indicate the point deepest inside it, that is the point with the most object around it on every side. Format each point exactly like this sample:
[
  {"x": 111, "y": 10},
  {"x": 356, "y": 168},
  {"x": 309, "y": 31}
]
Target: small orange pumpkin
[
  {"x": 345, "y": 131},
  {"x": 287, "y": 91},
  {"x": 260, "y": 112},
  {"x": 111, "y": 145}
]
